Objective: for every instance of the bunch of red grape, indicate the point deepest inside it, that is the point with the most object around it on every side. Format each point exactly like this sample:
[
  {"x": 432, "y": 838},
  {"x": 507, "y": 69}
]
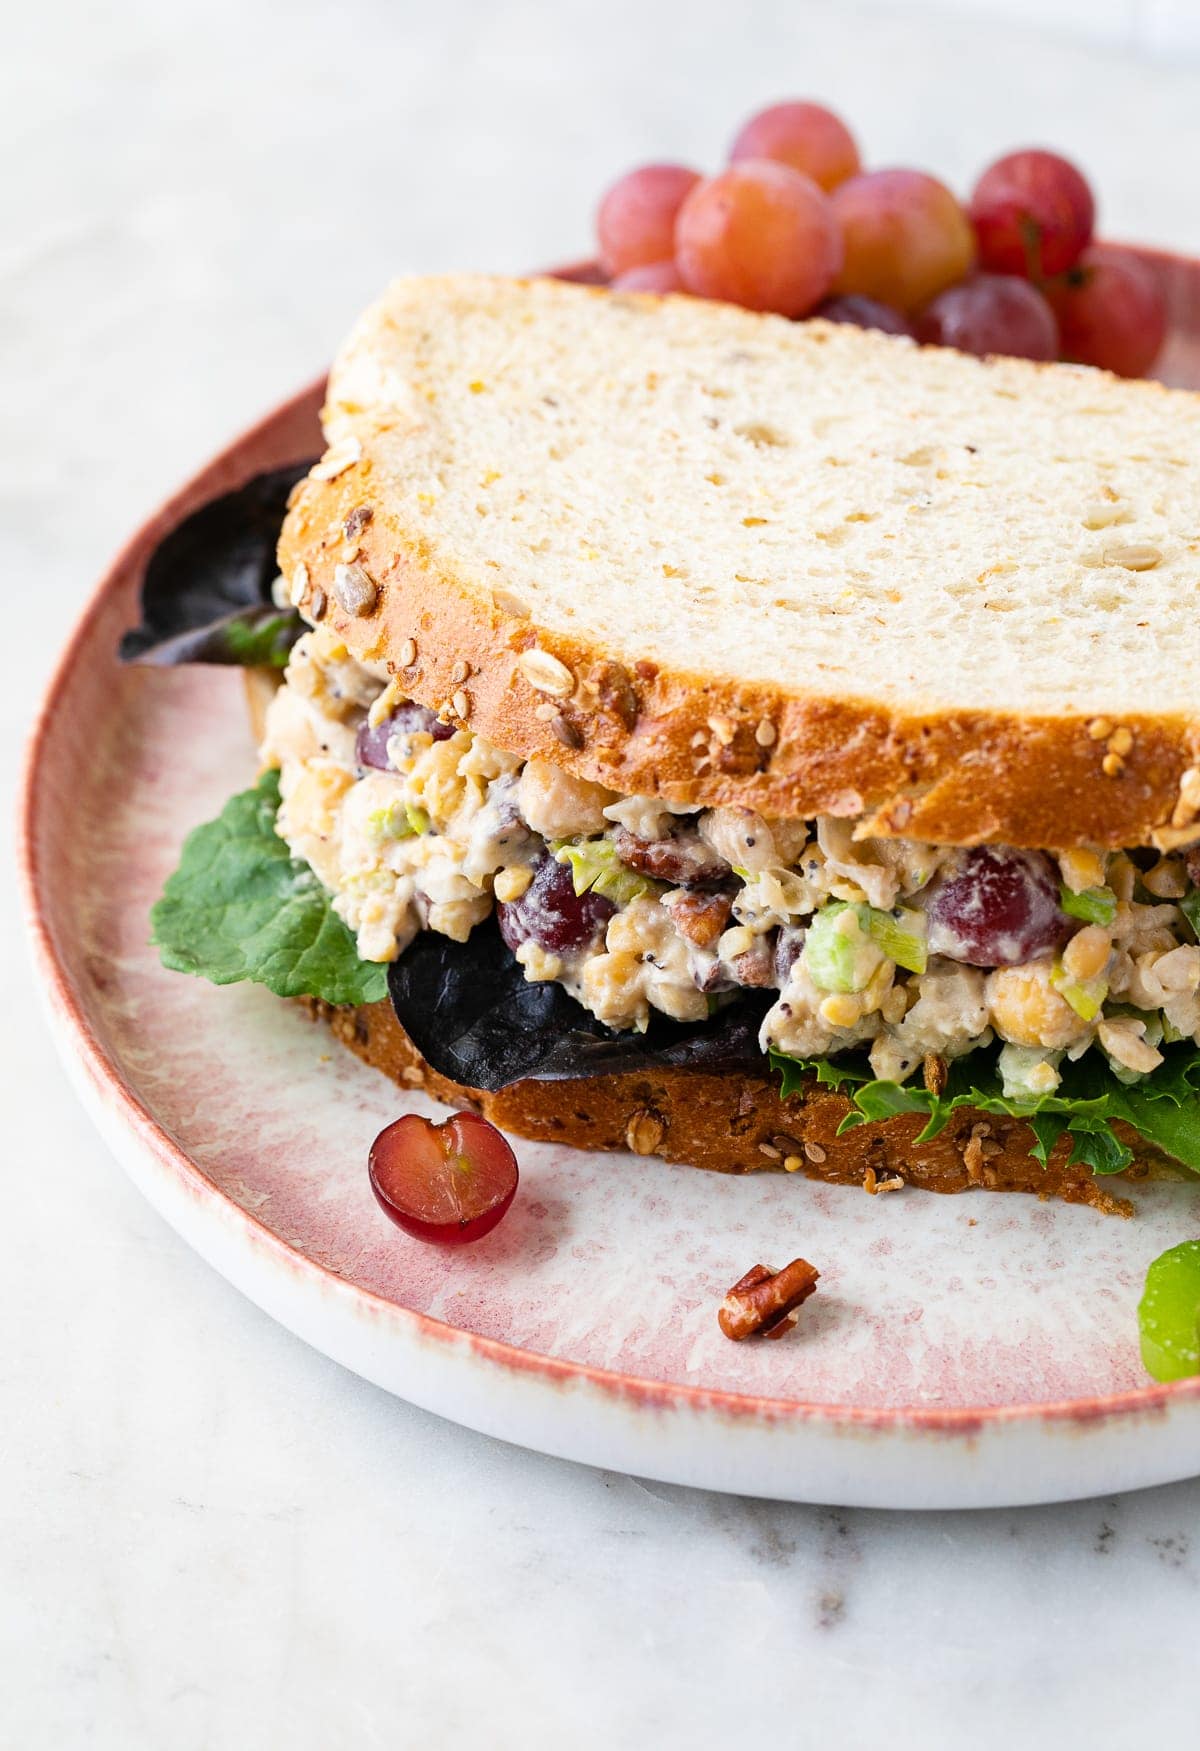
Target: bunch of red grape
[{"x": 796, "y": 226}]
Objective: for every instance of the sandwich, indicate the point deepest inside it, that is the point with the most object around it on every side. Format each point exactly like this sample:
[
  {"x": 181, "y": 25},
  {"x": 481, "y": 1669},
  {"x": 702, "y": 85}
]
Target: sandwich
[{"x": 760, "y": 744}]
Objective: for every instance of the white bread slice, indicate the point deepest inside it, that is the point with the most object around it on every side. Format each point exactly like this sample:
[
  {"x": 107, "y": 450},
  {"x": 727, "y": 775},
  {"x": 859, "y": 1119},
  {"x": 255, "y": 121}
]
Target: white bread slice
[{"x": 792, "y": 565}]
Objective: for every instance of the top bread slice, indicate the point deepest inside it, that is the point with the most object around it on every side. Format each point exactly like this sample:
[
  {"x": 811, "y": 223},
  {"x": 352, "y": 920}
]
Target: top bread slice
[{"x": 695, "y": 552}]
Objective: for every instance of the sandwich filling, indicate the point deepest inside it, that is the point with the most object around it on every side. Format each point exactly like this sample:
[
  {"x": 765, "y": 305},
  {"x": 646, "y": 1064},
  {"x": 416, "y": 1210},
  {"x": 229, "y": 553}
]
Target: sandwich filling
[{"x": 915, "y": 954}]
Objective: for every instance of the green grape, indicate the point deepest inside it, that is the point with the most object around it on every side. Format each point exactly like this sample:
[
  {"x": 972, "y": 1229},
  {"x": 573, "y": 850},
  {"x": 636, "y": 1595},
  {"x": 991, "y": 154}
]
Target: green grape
[{"x": 1169, "y": 1314}]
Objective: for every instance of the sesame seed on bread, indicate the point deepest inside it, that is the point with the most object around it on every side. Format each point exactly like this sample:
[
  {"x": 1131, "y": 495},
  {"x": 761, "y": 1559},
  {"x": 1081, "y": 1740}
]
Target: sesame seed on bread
[{"x": 724, "y": 558}]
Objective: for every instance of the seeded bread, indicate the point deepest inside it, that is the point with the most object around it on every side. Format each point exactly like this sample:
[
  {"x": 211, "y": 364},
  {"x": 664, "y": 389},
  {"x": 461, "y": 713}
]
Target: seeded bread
[
  {"x": 734, "y": 1123},
  {"x": 692, "y": 551}
]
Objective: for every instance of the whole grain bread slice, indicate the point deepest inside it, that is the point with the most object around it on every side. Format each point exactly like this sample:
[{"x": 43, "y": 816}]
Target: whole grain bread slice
[
  {"x": 734, "y": 1123},
  {"x": 692, "y": 551}
]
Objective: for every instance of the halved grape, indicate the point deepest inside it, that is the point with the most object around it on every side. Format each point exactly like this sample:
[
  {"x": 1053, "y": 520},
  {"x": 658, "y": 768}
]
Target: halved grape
[
  {"x": 991, "y": 313},
  {"x": 636, "y": 221},
  {"x": 996, "y": 907},
  {"x": 449, "y": 1183},
  {"x": 864, "y": 313},
  {"x": 1033, "y": 214},
  {"x": 370, "y": 744},
  {"x": 806, "y": 136},
  {"x": 760, "y": 235},
  {"x": 551, "y": 914},
  {"x": 1111, "y": 312},
  {"x": 1169, "y": 1314},
  {"x": 906, "y": 237}
]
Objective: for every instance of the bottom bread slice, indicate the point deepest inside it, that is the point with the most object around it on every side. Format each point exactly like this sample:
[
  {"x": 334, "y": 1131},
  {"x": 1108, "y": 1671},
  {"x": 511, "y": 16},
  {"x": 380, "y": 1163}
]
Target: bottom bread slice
[{"x": 731, "y": 1122}]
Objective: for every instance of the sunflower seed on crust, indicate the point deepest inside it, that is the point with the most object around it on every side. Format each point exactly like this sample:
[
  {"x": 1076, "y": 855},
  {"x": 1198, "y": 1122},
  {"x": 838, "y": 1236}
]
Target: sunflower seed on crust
[
  {"x": 546, "y": 674},
  {"x": 355, "y": 589},
  {"x": 340, "y": 456},
  {"x": 565, "y": 730}
]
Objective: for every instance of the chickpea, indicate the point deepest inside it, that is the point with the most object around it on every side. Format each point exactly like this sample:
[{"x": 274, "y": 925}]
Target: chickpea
[
  {"x": 558, "y": 806},
  {"x": 1026, "y": 1009}
]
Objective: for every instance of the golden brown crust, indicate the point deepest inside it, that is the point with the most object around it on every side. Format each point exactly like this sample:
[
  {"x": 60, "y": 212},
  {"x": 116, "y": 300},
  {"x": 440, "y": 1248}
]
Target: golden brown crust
[
  {"x": 945, "y": 777},
  {"x": 735, "y": 1123}
]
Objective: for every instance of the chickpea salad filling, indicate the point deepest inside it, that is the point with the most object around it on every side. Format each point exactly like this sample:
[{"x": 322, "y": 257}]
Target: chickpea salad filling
[{"x": 911, "y": 955}]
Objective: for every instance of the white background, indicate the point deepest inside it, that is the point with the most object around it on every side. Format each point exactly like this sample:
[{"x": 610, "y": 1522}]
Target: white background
[{"x": 209, "y": 1536}]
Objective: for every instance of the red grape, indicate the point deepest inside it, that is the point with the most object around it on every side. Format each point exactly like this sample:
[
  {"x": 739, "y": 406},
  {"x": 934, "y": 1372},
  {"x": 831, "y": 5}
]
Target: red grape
[
  {"x": 1111, "y": 312},
  {"x": 805, "y": 136},
  {"x": 1033, "y": 214},
  {"x": 906, "y": 237},
  {"x": 992, "y": 313},
  {"x": 760, "y": 235},
  {"x": 370, "y": 744},
  {"x": 652, "y": 276},
  {"x": 636, "y": 221},
  {"x": 448, "y": 1183},
  {"x": 864, "y": 313},
  {"x": 996, "y": 908},
  {"x": 551, "y": 914}
]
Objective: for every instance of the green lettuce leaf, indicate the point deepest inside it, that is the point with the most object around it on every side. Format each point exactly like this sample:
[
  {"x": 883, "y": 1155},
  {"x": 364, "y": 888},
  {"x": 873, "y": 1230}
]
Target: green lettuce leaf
[
  {"x": 240, "y": 906},
  {"x": 1164, "y": 1108}
]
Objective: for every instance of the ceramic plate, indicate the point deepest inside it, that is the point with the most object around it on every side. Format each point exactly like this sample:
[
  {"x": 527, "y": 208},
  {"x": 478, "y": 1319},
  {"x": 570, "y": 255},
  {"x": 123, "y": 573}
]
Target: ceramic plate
[{"x": 972, "y": 1350}]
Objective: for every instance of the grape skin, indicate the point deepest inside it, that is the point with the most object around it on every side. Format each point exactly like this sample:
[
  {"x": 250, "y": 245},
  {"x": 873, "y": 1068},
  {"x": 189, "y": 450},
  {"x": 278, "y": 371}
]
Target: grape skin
[
  {"x": 806, "y": 136},
  {"x": 1111, "y": 312},
  {"x": 1033, "y": 214},
  {"x": 635, "y": 225},
  {"x": 992, "y": 313},
  {"x": 760, "y": 235},
  {"x": 551, "y": 914},
  {"x": 861, "y": 312},
  {"x": 906, "y": 237},
  {"x": 996, "y": 907},
  {"x": 371, "y": 742},
  {"x": 448, "y": 1183},
  {"x": 652, "y": 276}
]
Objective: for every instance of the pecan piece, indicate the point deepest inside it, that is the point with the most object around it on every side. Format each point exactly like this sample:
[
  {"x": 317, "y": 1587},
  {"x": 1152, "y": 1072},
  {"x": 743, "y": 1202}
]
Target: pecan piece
[
  {"x": 682, "y": 858},
  {"x": 617, "y": 694},
  {"x": 756, "y": 967},
  {"x": 767, "y": 1301},
  {"x": 934, "y": 1073},
  {"x": 699, "y": 917}
]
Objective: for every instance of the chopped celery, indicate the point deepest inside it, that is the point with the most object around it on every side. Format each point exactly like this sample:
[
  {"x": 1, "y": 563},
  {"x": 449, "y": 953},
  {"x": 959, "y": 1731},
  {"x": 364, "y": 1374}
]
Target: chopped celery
[
  {"x": 596, "y": 869},
  {"x": 1169, "y": 1314},
  {"x": 1027, "y": 1071},
  {"x": 900, "y": 934},
  {"x": 1086, "y": 996},
  {"x": 389, "y": 823},
  {"x": 834, "y": 950},
  {"x": 397, "y": 821},
  {"x": 1093, "y": 905}
]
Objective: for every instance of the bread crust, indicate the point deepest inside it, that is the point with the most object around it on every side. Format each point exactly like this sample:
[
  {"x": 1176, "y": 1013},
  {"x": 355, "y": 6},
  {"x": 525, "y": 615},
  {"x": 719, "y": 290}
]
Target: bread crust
[
  {"x": 731, "y": 1122},
  {"x": 952, "y": 778},
  {"x": 692, "y": 733}
]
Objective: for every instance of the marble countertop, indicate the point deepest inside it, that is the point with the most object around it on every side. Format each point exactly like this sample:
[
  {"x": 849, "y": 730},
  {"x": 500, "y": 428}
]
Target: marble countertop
[{"x": 209, "y": 1535}]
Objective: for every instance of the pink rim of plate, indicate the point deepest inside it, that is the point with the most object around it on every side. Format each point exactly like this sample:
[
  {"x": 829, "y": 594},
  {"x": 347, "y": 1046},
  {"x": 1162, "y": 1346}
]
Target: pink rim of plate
[{"x": 1182, "y": 278}]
